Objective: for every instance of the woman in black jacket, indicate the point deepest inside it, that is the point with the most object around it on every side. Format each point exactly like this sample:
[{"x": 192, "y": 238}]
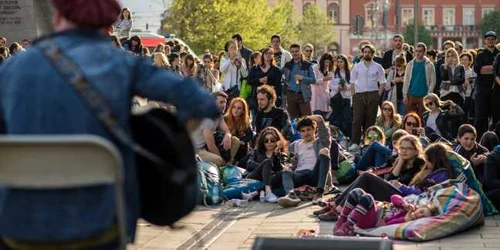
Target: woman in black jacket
[
  {"x": 453, "y": 78},
  {"x": 267, "y": 160},
  {"x": 441, "y": 123},
  {"x": 265, "y": 73},
  {"x": 492, "y": 176}
]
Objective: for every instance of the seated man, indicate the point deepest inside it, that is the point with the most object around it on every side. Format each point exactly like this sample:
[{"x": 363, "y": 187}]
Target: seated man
[
  {"x": 204, "y": 140},
  {"x": 471, "y": 150},
  {"x": 313, "y": 160},
  {"x": 270, "y": 115}
]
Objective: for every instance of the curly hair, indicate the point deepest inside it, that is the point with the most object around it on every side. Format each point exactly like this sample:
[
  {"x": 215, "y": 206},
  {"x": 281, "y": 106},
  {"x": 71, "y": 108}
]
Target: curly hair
[{"x": 277, "y": 135}]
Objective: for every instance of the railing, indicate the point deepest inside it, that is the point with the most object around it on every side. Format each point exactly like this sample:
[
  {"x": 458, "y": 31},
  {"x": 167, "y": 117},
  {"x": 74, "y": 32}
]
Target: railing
[{"x": 456, "y": 28}]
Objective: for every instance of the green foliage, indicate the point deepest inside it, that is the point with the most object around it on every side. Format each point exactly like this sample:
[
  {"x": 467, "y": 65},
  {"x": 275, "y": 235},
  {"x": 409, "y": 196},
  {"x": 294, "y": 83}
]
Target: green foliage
[
  {"x": 315, "y": 28},
  {"x": 424, "y": 35},
  {"x": 490, "y": 22}
]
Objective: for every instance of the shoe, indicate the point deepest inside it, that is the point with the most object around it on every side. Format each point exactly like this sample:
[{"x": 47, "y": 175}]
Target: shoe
[
  {"x": 322, "y": 211},
  {"x": 271, "y": 198},
  {"x": 317, "y": 198},
  {"x": 249, "y": 196},
  {"x": 262, "y": 196},
  {"x": 345, "y": 230},
  {"x": 290, "y": 200},
  {"x": 331, "y": 215},
  {"x": 334, "y": 190},
  {"x": 353, "y": 147},
  {"x": 322, "y": 203}
]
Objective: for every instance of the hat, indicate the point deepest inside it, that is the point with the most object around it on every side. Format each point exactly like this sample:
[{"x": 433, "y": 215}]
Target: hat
[
  {"x": 93, "y": 14},
  {"x": 490, "y": 33}
]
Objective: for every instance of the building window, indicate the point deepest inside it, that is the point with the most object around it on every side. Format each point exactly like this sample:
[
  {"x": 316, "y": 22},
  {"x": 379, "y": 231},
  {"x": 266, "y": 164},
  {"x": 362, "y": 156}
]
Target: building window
[
  {"x": 448, "y": 18},
  {"x": 305, "y": 7},
  {"x": 369, "y": 15},
  {"x": 333, "y": 12},
  {"x": 468, "y": 16},
  {"x": 486, "y": 11},
  {"x": 428, "y": 16},
  {"x": 407, "y": 16}
]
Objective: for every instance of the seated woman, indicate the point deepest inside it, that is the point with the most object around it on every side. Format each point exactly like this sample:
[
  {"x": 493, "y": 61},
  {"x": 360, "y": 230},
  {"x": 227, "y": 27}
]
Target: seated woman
[
  {"x": 492, "y": 176},
  {"x": 238, "y": 122},
  {"x": 390, "y": 121},
  {"x": 267, "y": 160},
  {"x": 413, "y": 125},
  {"x": 375, "y": 154},
  {"x": 471, "y": 150},
  {"x": 441, "y": 123},
  {"x": 363, "y": 211},
  {"x": 410, "y": 160},
  {"x": 436, "y": 170}
]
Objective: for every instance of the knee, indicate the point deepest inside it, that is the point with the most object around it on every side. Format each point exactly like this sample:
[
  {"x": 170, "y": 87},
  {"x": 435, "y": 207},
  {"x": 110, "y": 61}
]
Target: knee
[
  {"x": 358, "y": 192},
  {"x": 366, "y": 200}
]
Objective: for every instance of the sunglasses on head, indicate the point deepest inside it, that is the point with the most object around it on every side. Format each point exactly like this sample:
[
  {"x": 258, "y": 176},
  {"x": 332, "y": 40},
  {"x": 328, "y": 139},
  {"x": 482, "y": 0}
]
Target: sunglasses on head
[
  {"x": 413, "y": 124},
  {"x": 372, "y": 136}
]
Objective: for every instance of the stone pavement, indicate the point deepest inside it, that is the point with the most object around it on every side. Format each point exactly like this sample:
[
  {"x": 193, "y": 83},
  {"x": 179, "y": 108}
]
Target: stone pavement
[{"x": 230, "y": 228}]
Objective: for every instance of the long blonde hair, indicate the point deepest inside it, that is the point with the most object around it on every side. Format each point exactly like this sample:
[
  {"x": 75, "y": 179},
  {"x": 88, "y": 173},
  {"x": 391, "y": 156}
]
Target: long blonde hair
[
  {"x": 455, "y": 55},
  {"x": 395, "y": 118},
  {"x": 437, "y": 101},
  {"x": 163, "y": 61}
]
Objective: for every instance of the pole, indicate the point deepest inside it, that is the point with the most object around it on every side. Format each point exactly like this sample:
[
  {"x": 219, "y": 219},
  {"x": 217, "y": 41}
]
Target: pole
[
  {"x": 398, "y": 15},
  {"x": 415, "y": 24}
]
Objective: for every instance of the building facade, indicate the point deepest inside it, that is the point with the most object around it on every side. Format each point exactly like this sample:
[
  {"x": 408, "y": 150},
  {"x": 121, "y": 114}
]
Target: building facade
[
  {"x": 445, "y": 19},
  {"x": 338, "y": 11}
]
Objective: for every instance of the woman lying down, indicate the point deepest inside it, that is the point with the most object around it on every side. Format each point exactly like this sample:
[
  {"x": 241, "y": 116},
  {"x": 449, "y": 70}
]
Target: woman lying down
[{"x": 363, "y": 211}]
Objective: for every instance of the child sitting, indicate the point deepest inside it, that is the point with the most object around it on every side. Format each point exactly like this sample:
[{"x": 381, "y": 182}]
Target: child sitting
[
  {"x": 363, "y": 211},
  {"x": 471, "y": 150}
]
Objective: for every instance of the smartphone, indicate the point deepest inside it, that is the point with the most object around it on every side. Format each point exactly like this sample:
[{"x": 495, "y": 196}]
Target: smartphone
[{"x": 415, "y": 131}]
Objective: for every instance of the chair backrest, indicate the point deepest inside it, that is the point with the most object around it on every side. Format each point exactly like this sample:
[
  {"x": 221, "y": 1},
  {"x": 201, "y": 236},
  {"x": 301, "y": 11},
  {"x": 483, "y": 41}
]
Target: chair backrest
[{"x": 41, "y": 162}]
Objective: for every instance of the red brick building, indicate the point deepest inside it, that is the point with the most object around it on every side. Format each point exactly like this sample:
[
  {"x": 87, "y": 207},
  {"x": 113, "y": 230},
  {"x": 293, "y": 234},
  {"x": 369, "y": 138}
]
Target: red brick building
[{"x": 446, "y": 19}]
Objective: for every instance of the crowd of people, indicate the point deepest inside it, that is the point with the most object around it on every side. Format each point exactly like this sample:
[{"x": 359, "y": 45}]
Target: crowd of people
[{"x": 290, "y": 117}]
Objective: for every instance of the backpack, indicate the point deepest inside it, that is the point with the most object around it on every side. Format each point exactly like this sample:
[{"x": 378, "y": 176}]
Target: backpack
[{"x": 210, "y": 189}]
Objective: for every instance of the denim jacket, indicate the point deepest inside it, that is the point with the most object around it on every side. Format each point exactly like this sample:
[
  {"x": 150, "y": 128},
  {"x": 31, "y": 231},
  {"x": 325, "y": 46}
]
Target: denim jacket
[
  {"x": 306, "y": 70},
  {"x": 35, "y": 99}
]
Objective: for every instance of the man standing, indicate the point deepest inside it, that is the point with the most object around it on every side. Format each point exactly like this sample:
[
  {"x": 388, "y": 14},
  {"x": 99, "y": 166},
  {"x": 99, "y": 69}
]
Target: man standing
[
  {"x": 390, "y": 56},
  {"x": 299, "y": 75},
  {"x": 368, "y": 79},
  {"x": 270, "y": 115},
  {"x": 244, "y": 51},
  {"x": 486, "y": 90},
  {"x": 420, "y": 80},
  {"x": 281, "y": 55},
  {"x": 308, "y": 51}
]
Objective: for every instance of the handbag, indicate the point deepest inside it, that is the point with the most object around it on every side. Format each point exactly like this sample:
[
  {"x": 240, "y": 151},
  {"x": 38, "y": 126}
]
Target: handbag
[{"x": 164, "y": 153}]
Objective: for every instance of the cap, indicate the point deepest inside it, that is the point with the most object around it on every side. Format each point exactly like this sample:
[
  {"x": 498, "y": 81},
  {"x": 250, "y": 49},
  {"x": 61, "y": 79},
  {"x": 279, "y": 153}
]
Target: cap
[
  {"x": 490, "y": 33},
  {"x": 92, "y": 14}
]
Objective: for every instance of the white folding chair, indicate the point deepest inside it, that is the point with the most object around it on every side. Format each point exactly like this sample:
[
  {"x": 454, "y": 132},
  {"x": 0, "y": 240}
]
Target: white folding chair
[{"x": 63, "y": 161}]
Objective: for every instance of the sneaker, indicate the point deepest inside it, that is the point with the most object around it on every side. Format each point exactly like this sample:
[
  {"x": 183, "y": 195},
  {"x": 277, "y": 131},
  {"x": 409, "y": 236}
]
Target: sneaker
[
  {"x": 248, "y": 196},
  {"x": 353, "y": 147},
  {"x": 271, "y": 198},
  {"x": 317, "y": 198},
  {"x": 334, "y": 190},
  {"x": 290, "y": 200},
  {"x": 331, "y": 215},
  {"x": 262, "y": 196},
  {"x": 322, "y": 211}
]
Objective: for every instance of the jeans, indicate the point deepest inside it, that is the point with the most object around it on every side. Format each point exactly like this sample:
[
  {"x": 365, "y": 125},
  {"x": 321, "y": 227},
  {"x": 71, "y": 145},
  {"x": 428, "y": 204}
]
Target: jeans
[
  {"x": 264, "y": 173},
  {"x": 401, "y": 108},
  {"x": 342, "y": 115},
  {"x": 375, "y": 156},
  {"x": 315, "y": 177}
]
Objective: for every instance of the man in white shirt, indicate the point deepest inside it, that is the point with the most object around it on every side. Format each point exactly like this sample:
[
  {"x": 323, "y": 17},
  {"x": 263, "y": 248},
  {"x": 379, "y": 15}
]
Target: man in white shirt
[{"x": 368, "y": 80}]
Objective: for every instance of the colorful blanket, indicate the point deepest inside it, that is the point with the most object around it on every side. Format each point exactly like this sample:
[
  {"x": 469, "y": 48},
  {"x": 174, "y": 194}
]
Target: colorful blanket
[{"x": 459, "y": 206}]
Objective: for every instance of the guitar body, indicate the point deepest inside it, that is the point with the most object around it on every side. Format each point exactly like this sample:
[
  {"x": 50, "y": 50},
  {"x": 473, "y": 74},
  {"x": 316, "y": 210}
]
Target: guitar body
[{"x": 165, "y": 197}]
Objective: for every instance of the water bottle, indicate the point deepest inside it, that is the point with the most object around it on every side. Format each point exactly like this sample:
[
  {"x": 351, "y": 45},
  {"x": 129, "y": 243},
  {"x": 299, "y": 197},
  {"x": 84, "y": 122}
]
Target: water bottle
[
  {"x": 239, "y": 203},
  {"x": 215, "y": 195}
]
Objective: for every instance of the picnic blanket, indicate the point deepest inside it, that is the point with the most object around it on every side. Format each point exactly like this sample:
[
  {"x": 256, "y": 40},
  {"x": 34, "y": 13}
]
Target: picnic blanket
[{"x": 459, "y": 206}]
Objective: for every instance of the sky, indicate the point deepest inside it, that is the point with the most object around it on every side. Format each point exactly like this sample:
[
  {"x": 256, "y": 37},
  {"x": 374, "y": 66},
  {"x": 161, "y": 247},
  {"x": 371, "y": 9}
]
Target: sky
[{"x": 146, "y": 12}]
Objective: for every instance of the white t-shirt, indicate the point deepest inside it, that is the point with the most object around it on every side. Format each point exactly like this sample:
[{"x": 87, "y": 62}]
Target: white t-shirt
[
  {"x": 306, "y": 156},
  {"x": 366, "y": 78},
  {"x": 431, "y": 122},
  {"x": 197, "y": 136}
]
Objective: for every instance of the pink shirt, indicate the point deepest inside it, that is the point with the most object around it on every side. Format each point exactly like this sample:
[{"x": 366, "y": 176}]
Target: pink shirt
[{"x": 320, "y": 91}]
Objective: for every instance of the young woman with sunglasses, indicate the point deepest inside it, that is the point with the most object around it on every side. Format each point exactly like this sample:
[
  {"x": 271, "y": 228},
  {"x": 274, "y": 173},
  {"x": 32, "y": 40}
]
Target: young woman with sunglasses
[
  {"x": 413, "y": 125},
  {"x": 441, "y": 123},
  {"x": 266, "y": 161},
  {"x": 375, "y": 154},
  {"x": 389, "y": 120}
]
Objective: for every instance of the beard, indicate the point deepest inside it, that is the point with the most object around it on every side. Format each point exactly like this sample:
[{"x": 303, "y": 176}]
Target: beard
[{"x": 367, "y": 58}]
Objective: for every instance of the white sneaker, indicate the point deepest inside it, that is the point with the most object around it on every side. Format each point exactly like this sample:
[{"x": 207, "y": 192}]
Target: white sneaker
[
  {"x": 271, "y": 198},
  {"x": 354, "y": 147},
  {"x": 262, "y": 196}
]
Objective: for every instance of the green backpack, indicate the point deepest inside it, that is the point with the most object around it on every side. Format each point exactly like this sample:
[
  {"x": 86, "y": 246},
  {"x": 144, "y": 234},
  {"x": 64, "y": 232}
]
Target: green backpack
[
  {"x": 345, "y": 173},
  {"x": 209, "y": 183}
]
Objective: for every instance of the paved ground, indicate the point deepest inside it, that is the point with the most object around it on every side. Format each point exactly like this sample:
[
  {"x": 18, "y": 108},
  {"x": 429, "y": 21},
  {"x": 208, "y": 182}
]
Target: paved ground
[{"x": 236, "y": 228}]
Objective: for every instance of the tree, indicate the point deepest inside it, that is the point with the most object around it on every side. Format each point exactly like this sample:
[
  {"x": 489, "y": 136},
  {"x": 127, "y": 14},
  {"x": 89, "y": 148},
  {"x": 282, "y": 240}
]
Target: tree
[
  {"x": 209, "y": 24},
  {"x": 424, "y": 35},
  {"x": 315, "y": 28},
  {"x": 490, "y": 22}
]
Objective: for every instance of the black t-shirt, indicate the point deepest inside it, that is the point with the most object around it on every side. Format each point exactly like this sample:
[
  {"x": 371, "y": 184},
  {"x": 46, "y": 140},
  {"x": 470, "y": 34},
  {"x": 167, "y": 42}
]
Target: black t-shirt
[
  {"x": 399, "y": 87},
  {"x": 277, "y": 118}
]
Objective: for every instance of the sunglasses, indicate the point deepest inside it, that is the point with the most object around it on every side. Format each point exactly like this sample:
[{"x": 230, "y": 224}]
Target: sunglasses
[
  {"x": 372, "y": 136},
  {"x": 309, "y": 50},
  {"x": 413, "y": 124},
  {"x": 429, "y": 104},
  {"x": 270, "y": 140},
  {"x": 387, "y": 109}
]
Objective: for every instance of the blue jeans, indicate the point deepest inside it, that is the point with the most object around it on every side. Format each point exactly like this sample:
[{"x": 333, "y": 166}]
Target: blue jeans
[
  {"x": 375, "y": 156},
  {"x": 401, "y": 108},
  {"x": 315, "y": 177}
]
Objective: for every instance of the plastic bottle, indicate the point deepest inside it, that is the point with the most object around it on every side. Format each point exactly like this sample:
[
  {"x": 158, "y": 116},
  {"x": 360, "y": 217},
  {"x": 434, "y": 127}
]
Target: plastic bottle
[
  {"x": 239, "y": 203},
  {"x": 215, "y": 195}
]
